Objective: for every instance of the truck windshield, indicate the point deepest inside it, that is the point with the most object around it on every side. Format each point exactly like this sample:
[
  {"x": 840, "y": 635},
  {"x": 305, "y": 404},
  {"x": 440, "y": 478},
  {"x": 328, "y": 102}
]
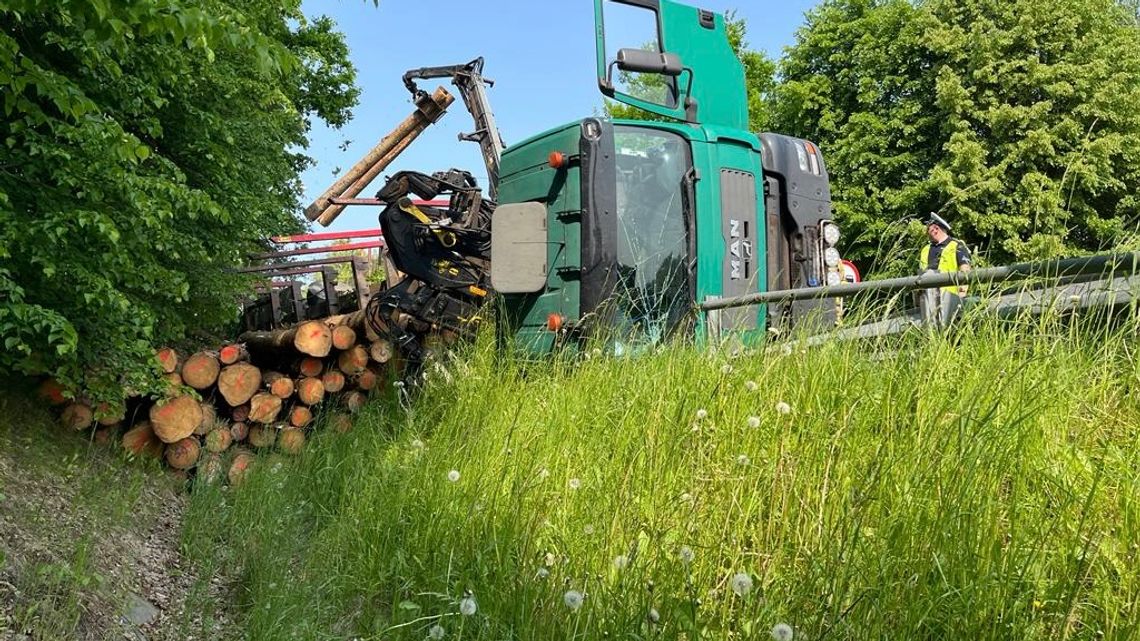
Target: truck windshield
[{"x": 652, "y": 294}]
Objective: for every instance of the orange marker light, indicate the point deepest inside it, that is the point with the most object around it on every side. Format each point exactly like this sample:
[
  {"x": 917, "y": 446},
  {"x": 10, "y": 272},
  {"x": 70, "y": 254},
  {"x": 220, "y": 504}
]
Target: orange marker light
[
  {"x": 557, "y": 159},
  {"x": 554, "y": 322}
]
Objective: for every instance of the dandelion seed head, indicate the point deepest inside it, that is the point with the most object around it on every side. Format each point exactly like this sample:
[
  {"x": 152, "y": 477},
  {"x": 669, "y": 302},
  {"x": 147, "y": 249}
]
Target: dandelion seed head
[
  {"x": 588, "y": 530},
  {"x": 754, "y": 422},
  {"x": 782, "y": 632},
  {"x": 573, "y": 599},
  {"x": 436, "y": 631},
  {"x": 741, "y": 584},
  {"x": 751, "y": 386},
  {"x": 621, "y": 561},
  {"x": 726, "y": 369},
  {"x": 574, "y": 483},
  {"x": 686, "y": 498},
  {"x": 686, "y": 554},
  {"x": 418, "y": 444},
  {"x": 743, "y": 459},
  {"x": 543, "y": 473},
  {"x": 550, "y": 559},
  {"x": 702, "y": 414},
  {"x": 542, "y": 573},
  {"x": 783, "y": 408},
  {"x": 453, "y": 476},
  {"x": 467, "y": 606},
  {"x": 654, "y": 616}
]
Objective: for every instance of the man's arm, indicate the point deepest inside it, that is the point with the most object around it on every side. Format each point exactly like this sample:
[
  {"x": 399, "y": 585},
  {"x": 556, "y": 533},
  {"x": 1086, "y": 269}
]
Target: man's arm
[{"x": 963, "y": 264}]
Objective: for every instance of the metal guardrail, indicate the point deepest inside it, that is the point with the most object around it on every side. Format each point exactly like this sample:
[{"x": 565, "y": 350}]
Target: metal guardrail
[{"x": 1106, "y": 265}]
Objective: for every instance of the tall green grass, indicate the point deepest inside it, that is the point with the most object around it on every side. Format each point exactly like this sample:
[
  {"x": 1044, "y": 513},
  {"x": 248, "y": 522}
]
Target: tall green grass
[{"x": 983, "y": 484}]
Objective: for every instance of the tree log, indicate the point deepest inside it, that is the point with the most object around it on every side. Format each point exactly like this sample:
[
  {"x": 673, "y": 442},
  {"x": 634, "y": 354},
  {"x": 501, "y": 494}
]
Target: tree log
[
  {"x": 168, "y": 360},
  {"x": 380, "y": 351},
  {"x": 107, "y": 414},
  {"x": 354, "y": 400},
  {"x": 201, "y": 370},
  {"x": 343, "y": 337},
  {"x": 240, "y": 431},
  {"x": 51, "y": 391},
  {"x": 233, "y": 353},
  {"x": 240, "y": 414},
  {"x": 141, "y": 440},
  {"x": 291, "y": 440},
  {"x": 300, "y": 416},
  {"x": 311, "y": 366},
  {"x": 175, "y": 418},
  {"x": 367, "y": 380},
  {"x": 263, "y": 408},
  {"x": 210, "y": 469},
  {"x": 313, "y": 338},
  {"x": 310, "y": 390},
  {"x": 209, "y": 419},
  {"x": 352, "y": 361},
  {"x": 219, "y": 439},
  {"x": 173, "y": 382},
  {"x": 333, "y": 381},
  {"x": 278, "y": 384},
  {"x": 238, "y": 383},
  {"x": 77, "y": 416},
  {"x": 262, "y": 435},
  {"x": 340, "y": 423},
  {"x": 240, "y": 467},
  {"x": 182, "y": 455}
]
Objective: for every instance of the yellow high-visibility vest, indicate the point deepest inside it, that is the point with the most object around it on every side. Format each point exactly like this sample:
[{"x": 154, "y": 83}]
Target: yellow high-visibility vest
[{"x": 947, "y": 262}]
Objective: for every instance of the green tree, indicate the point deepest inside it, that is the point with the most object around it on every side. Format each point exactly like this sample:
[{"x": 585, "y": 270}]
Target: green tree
[
  {"x": 1016, "y": 118},
  {"x": 759, "y": 78},
  {"x": 147, "y": 145}
]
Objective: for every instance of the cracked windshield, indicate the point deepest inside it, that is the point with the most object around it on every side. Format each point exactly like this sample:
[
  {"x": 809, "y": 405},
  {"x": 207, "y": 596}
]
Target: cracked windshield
[{"x": 652, "y": 295}]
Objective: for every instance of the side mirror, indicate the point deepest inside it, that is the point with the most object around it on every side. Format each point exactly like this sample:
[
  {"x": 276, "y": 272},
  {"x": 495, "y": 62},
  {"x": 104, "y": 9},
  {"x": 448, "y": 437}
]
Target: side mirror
[
  {"x": 518, "y": 248},
  {"x": 642, "y": 61}
]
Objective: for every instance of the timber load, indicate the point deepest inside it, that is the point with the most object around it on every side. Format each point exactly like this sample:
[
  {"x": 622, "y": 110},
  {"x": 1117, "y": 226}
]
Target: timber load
[{"x": 265, "y": 392}]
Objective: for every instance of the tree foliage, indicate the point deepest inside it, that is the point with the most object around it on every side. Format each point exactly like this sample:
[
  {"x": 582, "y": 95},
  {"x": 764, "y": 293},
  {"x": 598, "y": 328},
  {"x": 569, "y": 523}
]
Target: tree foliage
[
  {"x": 1015, "y": 118},
  {"x": 759, "y": 78},
  {"x": 145, "y": 146}
]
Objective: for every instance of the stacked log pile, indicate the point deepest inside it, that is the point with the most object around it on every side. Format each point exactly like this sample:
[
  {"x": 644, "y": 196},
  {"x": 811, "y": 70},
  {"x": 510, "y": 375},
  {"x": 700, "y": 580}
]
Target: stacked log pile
[{"x": 264, "y": 392}]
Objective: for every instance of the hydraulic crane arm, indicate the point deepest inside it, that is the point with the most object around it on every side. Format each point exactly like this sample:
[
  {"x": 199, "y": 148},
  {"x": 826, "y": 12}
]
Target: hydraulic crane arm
[{"x": 468, "y": 78}]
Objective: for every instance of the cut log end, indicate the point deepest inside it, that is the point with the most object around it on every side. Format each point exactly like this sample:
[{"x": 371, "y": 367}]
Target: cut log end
[
  {"x": 354, "y": 401},
  {"x": 141, "y": 440},
  {"x": 300, "y": 416},
  {"x": 183, "y": 454},
  {"x": 333, "y": 381},
  {"x": 240, "y": 467},
  {"x": 263, "y": 408},
  {"x": 51, "y": 391},
  {"x": 219, "y": 439},
  {"x": 238, "y": 383},
  {"x": 313, "y": 338},
  {"x": 262, "y": 436},
  {"x": 232, "y": 353},
  {"x": 380, "y": 351},
  {"x": 310, "y": 366},
  {"x": 77, "y": 416},
  {"x": 352, "y": 361},
  {"x": 291, "y": 440},
  {"x": 239, "y": 431},
  {"x": 201, "y": 370},
  {"x": 340, "y": 423},
  {"x": 176, "y": 418},
  {"x": 167, "y": 360},
  {"x": 310, "y": 390},
  {"x": 343, "y": 337}
]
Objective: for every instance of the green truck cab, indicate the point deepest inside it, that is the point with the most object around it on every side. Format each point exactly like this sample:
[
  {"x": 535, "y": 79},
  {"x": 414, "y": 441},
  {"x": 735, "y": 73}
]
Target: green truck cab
[{"x": 612, "y": 230}]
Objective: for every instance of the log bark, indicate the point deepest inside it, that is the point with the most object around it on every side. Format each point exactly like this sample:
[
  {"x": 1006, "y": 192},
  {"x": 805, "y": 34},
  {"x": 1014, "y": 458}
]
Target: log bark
[
  {"x": 263, "y": 408},
  {"x": 352, "y": 361},
  {"x": 183, "y": 454},
  {"x": 313, "y": 338},
  {"x": 310, "y": 390},
  {"x": 141, "y": 440},
  {"x": 300, "y": 416},
  {"x": 311, "y": 366},
  {"x": 233, "y": 353},
  {"x": 168, "y": 360},
  {"x": 77, "y": 416},
  {"x": 279, "y": 385},
  {"x": 240, "y": 467},
  {"x": 175, "y": 418},
  {"x": 262, "y": 435},
  {"x": 201, "y": 370},
  {"x": 238, "y": 383},
  {"x": 333, "y": 381},
  {"x": 291, "y": 440},
  {"x": 343, "y": 337}
]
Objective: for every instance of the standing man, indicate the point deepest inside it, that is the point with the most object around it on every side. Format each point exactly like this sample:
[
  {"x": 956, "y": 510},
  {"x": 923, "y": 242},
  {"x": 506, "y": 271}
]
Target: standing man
[{"x": 943, "y": 254}]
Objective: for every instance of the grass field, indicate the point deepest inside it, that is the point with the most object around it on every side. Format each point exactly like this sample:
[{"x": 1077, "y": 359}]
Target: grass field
[{"x": 984, "y": 485}]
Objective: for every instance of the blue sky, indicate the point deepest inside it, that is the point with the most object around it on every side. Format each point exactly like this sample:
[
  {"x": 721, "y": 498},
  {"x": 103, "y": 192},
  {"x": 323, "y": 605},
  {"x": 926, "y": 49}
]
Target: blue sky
[{"x": 540, "y": 53}]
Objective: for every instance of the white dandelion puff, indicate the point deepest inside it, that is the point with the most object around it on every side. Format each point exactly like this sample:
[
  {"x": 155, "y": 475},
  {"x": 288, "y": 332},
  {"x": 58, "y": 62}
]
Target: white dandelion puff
[
  {"x": 542, "y": 573},
  {"x": 686, "y": 554},
  {"x": 782, "y": 632},
  {"x": 574, "y": 483},
  {"x": 418, "y": 444},
  {"x": 751, "y": 386},
  {"x": 573, "y": 599},
  {"x": 743, "y": 459},
  {"x": 741, "y": 584},
  {"x": 467, "y": 606},
  {"x": 702, "y": 414},
  {"x": 726, "y": 369},
  {"x": 550, "y": 559},
  {"x": 686, "y": 498},
  {"x": 654, "y": 616},
  {"x": 543, "y": 473},
  {"x": 621, "y": 561},
  {"x": 436, "y": 631},
  {"x": 588, "y": 530},
  {"x": 453, "y": 476},
  {"x": 783, "y": 408}
]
